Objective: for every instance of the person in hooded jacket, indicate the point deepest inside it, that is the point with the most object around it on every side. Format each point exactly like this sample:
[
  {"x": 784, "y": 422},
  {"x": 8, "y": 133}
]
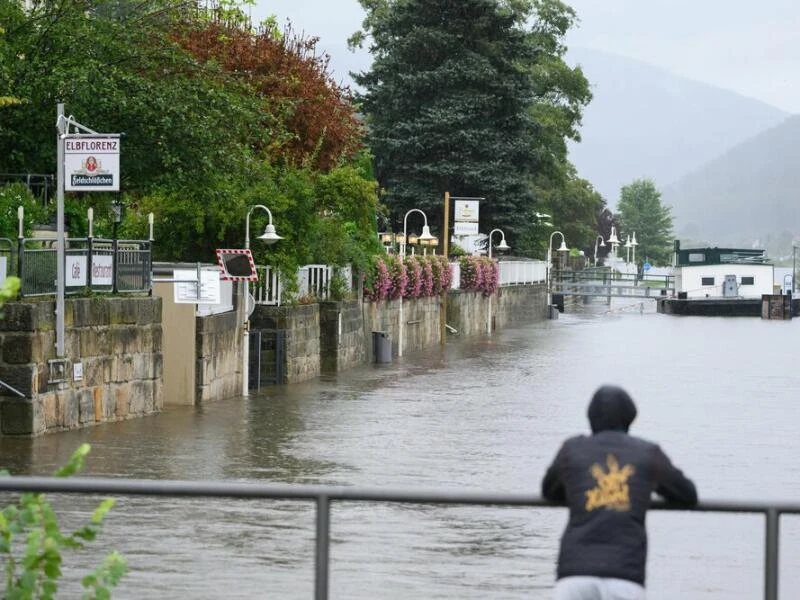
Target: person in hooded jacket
[{"x": 607, "y": 480}]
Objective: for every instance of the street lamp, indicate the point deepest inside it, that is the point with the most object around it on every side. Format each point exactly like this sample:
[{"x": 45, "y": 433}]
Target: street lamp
[
  {"x": 502, "y": 246},
  {"x": 634, "y": 243},
  {"x": 424, "y": 236},
  {"x": 628, "y": 248},
  {"x": 614, "y": 241},
  {"x": 269, "y": 237},
  {"x": 602, "y": 245},
  {"x": 548, "y": 266}
]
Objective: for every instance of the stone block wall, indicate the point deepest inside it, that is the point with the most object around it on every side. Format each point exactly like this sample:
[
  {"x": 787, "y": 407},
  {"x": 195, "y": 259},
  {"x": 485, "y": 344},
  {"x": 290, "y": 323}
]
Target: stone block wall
[
  {"x": 341, "y": 336},
  {"x": 302, "y": 326},
  {"x": 218, "y": 356},
  {"x": 117, "y": 343}
]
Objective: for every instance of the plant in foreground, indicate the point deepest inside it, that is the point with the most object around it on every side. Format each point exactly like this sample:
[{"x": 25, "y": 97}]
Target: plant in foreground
[{"x": 32, "y": 543}]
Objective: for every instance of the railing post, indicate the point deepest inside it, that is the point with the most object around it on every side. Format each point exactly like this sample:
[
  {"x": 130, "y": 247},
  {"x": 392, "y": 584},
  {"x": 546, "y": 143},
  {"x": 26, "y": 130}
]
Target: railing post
[
  {"x": 771, "y": 554},
  {"x": 323, "y": 546}
]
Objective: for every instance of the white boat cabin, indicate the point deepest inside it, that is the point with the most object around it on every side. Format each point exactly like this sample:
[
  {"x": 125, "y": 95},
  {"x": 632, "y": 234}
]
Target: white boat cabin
[{"x": 722, "y": 273}]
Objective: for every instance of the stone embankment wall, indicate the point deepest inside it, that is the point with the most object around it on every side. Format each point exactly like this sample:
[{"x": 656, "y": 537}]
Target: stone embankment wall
[
  {"x": 112, "y": 369},
  {"x": 335, "y": 336},
  {"x": 218, "y": 356}
]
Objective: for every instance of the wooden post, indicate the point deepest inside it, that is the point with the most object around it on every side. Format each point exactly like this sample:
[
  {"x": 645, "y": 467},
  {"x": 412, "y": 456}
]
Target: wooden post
[{"x": 445, "y": 246}]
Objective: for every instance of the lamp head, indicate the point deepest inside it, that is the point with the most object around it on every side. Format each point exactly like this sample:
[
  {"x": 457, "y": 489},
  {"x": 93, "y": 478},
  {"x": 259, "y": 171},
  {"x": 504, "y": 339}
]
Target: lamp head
[
  {"x": 270, "y": 236},
  {"x": 426, "y": 233},
  {"x": 563, "y": 247},
  {"x": 502, "y": 246}
]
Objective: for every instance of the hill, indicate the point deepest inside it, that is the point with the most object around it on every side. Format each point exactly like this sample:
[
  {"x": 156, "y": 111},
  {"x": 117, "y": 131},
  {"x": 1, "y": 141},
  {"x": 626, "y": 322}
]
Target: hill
[
  {"x": 745, "y": 195},
  {"x": 647, "y": 122}
]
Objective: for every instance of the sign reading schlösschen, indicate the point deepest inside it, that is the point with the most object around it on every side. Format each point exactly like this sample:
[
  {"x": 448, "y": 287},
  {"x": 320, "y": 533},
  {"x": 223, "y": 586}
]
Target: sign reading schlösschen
[{"x": 91, "y": 163}]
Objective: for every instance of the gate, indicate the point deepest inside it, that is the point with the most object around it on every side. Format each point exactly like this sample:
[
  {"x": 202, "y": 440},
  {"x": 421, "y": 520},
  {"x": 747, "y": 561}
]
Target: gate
[{"x": 267, "y": 357}]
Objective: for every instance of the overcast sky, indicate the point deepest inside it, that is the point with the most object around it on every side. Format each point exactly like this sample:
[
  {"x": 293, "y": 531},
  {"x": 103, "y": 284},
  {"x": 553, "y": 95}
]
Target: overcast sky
[{"x": 748, "y": 47}]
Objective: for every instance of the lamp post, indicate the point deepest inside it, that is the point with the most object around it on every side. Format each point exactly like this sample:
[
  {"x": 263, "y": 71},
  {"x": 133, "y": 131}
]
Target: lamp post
[
  {"x": 634, "y": 243},
  {"x": 628, "y": 248},
  {"x": 269, "y": 236},
  {"x": 614, "y": 241},
  {"x": 602, "y": 245},
  {"x": 426, "y": 235},
  {"x": 794, "y": 270},
  {"x": 502, "y": 246},
  {"x": 561, "y": 248}
]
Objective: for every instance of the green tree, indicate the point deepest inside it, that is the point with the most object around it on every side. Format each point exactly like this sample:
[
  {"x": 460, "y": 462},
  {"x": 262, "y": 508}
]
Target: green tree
[
  {"x": 641, "y": 211},
  {"x": 216, "y": 117},
  {"x": 481, "y": 110}
]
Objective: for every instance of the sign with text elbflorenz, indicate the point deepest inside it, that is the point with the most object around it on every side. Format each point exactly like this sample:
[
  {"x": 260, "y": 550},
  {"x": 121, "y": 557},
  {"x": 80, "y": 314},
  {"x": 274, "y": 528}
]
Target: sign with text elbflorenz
[{"x": 91, "y": 163}]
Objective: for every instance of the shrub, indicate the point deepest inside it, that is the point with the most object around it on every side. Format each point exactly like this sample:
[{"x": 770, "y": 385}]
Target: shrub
[
  {"x": 34, "y": 573},
  {"x": 389, "y": 277},
  {"x": 479, "y": 274}
]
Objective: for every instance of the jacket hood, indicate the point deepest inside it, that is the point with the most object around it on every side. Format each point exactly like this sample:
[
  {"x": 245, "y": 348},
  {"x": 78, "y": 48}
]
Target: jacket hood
[{"x": 611, "y": 408}]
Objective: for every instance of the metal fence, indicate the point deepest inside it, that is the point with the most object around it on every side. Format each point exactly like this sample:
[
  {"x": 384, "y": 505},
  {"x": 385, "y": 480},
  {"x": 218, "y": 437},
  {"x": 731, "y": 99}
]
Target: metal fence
[
  {"x": 95, "y": 264},
  {"x": 323, "y": 496}
]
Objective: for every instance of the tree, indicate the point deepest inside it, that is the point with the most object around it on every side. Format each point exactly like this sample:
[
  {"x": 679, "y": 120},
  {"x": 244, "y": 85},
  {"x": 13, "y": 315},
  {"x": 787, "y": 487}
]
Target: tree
[
  {"x": 640, "y": 211},
  {"x": 216, "y": 117},
  {"x": 482, "y": 109}
]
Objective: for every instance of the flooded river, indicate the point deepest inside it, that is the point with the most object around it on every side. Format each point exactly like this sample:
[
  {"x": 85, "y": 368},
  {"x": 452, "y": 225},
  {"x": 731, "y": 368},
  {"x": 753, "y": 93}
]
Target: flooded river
[{"x": 720, "y": 395}]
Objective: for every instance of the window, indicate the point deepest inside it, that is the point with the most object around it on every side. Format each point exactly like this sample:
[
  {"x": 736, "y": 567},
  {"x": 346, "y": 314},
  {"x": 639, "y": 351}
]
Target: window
[
  {"x": 697, "y": 257},
  {"x": 707, "y": 281},
  {"x": 748, "y": 280}
]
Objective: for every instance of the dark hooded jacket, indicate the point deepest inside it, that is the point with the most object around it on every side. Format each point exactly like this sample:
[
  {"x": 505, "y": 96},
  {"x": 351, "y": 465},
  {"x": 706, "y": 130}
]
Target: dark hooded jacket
[{"x": 607, "y": 480}]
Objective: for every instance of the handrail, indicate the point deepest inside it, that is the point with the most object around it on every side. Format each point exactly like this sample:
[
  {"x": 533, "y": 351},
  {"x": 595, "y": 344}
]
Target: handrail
[{"x": 324, "y": 494}]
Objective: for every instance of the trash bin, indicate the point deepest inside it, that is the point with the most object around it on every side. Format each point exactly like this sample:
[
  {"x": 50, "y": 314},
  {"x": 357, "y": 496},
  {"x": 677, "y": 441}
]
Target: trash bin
[
  {"x": 381, "y": 347},
  {"x": 558, "y": 302}
]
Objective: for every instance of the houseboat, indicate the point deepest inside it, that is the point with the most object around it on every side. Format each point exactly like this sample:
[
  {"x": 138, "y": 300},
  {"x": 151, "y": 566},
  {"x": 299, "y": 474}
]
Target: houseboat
[{"x": 719, "y": 282}]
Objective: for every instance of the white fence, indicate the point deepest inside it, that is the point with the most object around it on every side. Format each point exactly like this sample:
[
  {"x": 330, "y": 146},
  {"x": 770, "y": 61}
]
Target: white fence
[
  {"x": 314, "y": 280},
  {"x": 512, "y": 272}
]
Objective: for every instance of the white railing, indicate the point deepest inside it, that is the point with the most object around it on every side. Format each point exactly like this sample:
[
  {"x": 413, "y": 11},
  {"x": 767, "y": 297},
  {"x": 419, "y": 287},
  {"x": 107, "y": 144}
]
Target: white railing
[
  {"x": 517, "y": 272},
  {"x": 512, "y": 272},
  {"x": 312, "y": 281}
]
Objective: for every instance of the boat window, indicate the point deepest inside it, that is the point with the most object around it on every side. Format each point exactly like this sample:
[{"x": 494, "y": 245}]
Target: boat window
[
  {"x": 707, "y": 281},
  {"x": 697, "y": 257},
  {"x": 748, "y": 280}
]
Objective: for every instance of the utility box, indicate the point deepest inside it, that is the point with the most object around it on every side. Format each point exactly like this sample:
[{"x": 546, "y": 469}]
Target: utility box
[
  {"x": 730, "y": 289},
  {"x": 381, "y": 347}
]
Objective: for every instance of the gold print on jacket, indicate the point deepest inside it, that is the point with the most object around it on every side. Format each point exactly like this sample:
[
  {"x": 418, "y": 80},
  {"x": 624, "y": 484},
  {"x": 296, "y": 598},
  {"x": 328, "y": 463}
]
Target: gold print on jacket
[{"x": 612, "y": 488}]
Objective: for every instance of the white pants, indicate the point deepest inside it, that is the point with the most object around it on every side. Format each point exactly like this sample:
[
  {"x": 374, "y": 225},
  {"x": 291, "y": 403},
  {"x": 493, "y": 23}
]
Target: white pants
[{"x": 597, "y": 588}]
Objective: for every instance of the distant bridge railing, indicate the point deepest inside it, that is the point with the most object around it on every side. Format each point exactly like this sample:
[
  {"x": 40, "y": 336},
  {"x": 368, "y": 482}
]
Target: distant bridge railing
[
  {"x": 323, "y": 495},
  {"x": 607, "y": 283}
]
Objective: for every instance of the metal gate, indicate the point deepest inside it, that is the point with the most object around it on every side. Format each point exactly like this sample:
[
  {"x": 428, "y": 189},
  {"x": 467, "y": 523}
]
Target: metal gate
[{"x": 267, "y": 357}]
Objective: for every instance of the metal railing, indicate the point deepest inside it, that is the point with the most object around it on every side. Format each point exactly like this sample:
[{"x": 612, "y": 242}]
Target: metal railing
[
  {"x": 323, "y": 495},
  {"x": 100, "y": 265}
]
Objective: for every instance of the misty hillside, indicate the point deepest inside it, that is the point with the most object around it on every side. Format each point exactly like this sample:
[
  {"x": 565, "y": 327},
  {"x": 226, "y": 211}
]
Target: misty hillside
[
  {"x": 646, "y": 122},
  {"x": 747, "y": 194}
]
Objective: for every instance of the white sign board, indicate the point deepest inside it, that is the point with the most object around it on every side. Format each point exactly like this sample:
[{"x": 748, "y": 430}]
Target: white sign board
[
  {"x": 77, "y": 371},
  {"x": 186, "y": 291},
  {"x": 76, "y": 273},
  {"x": 460, "y": 228},
  {"x": 91, "y": 163},
  {"x": 102, "y": 269},
  {"x": 467, "y": 210}
]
